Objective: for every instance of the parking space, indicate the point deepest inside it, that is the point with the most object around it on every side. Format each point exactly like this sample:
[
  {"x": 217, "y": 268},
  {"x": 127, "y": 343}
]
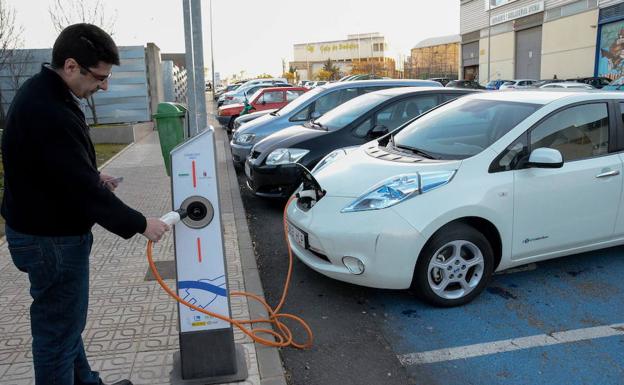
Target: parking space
[{"x": 556, "y": 322}]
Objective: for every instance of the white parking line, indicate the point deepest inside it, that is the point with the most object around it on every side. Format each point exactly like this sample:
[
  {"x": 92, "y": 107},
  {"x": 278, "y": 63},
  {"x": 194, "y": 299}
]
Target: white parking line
[{"x": 509, "y": 345}]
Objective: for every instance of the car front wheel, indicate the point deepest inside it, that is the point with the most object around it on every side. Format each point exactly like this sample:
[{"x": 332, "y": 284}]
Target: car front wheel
[{"x": 454, "y": 267}]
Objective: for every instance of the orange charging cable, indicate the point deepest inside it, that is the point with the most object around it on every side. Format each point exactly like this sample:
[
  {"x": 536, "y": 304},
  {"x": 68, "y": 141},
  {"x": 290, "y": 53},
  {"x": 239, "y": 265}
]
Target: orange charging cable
[{"x": 283, "y": 336}]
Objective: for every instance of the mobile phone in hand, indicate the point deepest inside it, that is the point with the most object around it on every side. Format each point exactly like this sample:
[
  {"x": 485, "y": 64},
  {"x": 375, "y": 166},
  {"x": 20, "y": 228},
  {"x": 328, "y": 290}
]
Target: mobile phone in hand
[{"x": 119, "y": 179}]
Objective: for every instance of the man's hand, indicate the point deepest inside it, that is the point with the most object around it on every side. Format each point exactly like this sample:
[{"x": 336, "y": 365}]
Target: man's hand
[
  {"x": 155, "y": 229},
  {"x": 110, "y": 182}
]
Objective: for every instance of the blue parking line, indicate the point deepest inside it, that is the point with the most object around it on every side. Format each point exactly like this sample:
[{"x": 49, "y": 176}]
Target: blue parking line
[{"x": 576, "y": 292}]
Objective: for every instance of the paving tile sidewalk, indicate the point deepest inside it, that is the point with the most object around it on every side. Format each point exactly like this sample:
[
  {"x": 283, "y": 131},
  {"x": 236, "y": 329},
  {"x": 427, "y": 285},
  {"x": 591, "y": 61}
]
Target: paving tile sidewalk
[{"x": 132, "y": 324}]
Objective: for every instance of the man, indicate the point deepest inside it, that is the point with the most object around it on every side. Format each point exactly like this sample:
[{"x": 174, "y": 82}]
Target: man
[{"x": 54, "y": 195}]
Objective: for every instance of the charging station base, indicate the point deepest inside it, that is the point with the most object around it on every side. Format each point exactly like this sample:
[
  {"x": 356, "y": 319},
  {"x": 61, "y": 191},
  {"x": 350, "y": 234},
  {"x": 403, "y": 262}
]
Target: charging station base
[{"x": 240, "y": 375}]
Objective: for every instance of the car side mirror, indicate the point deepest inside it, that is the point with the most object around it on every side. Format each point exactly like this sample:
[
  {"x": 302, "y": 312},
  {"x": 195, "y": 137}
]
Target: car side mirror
[
  {"x": 263, "y": 102},
  {"x": 545, "y": 158},
  {"x": 315, "y": 115},
  {"x": 378, "y": 130}
]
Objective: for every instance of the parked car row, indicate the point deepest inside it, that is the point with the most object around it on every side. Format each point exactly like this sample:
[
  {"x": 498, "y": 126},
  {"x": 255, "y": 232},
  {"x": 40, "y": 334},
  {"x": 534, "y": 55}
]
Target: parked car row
[
  {"x": 479, "y": 184},
  {"x": 405, "y": 184},
  {"x": 311, "y": 105},
  {"x": 593, "y": 82},
  {"x": 273, "y": 168}
]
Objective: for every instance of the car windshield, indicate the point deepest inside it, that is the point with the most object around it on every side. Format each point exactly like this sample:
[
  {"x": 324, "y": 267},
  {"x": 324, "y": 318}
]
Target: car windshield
[
  {"x": 347, "y": 112},
  {"x": 300, "y": 101},
  {"x": 462, "y": 128}
]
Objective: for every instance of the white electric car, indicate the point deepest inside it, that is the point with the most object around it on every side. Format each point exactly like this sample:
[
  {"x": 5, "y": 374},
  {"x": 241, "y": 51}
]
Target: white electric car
[{"x": 483, "y": 183}]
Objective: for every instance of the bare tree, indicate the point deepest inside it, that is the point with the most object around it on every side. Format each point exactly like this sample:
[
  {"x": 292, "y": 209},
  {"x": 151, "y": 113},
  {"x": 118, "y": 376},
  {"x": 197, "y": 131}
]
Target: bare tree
[
  {"x": 10, "y": 39},
  {"x": 67, "y": 12}
]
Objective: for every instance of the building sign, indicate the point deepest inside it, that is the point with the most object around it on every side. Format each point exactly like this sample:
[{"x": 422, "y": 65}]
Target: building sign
[
  {"x": 338, "y": 47},
  {"x": 517, "y": 13},
  {"x": 490, "y": 4},
  {"x": 611, "y": 50},
  {"x": 332, "y": 47}
]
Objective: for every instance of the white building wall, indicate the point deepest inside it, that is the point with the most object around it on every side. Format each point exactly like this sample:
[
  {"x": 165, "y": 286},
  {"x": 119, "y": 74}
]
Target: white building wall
[
  {"x": 502, "y": 55},
  {"x": 570, "y": 40}
]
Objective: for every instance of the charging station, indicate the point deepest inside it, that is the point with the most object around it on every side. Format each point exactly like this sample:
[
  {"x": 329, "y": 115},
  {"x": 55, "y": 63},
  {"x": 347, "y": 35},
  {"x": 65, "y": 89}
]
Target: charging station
[{"x": 208, "y": 353}]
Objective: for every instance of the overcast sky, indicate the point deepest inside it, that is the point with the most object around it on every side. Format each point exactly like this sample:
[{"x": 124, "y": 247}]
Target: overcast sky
[{"x": 254, "y": 36}]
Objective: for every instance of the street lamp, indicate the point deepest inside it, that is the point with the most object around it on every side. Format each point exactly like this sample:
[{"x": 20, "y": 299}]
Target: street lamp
[{"x": 211, "y": 49}]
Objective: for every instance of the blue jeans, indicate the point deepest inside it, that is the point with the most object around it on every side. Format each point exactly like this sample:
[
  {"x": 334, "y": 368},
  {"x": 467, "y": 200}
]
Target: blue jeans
[{"x": 58, "y": 270}]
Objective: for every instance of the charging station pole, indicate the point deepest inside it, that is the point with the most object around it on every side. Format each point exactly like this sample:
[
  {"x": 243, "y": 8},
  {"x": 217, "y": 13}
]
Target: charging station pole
[{"x": 208, "y": 353}]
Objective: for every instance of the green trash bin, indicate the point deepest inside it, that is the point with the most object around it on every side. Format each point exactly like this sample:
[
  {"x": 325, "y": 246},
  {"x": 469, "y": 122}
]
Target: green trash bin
[{"x": 170, "y": 119}]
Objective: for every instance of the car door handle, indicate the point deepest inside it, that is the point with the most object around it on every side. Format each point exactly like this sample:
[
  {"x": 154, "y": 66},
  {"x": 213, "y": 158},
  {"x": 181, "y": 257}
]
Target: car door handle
[{"x": 608, "y": 174}]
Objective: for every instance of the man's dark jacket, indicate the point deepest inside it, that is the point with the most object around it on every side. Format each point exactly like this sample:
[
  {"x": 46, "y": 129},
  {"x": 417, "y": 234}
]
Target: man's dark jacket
[{"x": 51, "y": 182}]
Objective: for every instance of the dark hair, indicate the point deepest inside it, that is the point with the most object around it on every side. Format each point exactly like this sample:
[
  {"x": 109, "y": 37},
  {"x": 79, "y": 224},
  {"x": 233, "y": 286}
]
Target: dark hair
[{"x": 87, "y": 44}]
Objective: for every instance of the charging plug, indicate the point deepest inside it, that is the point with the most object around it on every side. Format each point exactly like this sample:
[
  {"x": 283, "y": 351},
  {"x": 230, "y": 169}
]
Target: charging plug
[{"x": 173, "y": 217}]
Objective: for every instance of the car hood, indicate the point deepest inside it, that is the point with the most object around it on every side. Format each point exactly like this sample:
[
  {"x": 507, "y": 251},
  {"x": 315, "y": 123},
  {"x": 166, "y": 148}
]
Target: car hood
[
  {"x": 232, "y": 106},
  {"x": 250, "y": 127},
  {"x": 257, "y": 114},
  {"x": 286, "y": 138},
  {"x": 358, "y": 172}
]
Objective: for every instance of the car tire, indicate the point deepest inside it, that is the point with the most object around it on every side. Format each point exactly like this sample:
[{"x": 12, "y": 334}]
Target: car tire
[{"x": 454, "y": 267}]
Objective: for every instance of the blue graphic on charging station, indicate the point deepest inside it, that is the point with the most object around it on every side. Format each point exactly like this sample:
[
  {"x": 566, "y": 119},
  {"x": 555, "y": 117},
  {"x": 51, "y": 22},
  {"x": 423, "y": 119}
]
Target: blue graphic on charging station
[{"x": 195, "y": 292}]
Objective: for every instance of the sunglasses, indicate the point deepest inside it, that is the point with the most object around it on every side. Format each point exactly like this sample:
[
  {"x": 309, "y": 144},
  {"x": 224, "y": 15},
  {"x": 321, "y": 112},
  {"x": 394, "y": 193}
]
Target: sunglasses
[{"x": 101, "y": 78}]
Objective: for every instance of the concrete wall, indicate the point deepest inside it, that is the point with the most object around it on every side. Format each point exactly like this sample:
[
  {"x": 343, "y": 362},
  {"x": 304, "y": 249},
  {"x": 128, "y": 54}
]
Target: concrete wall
[
  {"x": 154, "y": 76},
  {"x": 501, "y": 58},
  {"x": 127, "y": 98},
  {"x": 570, "y": 40},
  {"x": 121, "y": 133},
  {"x": 174, "y": 82}
]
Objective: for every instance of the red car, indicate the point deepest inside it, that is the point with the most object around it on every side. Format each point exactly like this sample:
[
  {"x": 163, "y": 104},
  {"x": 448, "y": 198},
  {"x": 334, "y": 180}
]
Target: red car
[{"x": 263, "y": 99}]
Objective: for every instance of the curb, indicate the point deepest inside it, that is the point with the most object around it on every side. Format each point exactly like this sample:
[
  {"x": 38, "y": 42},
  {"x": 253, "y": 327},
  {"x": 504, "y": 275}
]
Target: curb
[{"x": 269, "y": 362}]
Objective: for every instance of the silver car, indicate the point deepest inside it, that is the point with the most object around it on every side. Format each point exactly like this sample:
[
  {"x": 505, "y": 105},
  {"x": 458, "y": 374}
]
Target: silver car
[{"x": 311, "y": 105}]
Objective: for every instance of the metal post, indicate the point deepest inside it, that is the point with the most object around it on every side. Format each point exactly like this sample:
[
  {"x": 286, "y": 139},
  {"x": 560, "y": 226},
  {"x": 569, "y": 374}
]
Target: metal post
[
  {"x": 190, "y": 73},
  {"x": 212, "y": 50},
  {"x": 198, "y": 65},
  {"x": 489, "y": 33}
]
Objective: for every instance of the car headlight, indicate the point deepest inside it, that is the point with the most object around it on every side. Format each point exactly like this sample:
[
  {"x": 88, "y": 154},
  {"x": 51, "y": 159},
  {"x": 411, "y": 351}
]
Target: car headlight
[
  {"x": 398, "y": 189},
  {"x": 285, "y": 156},
  {"x": 245, "y": 138}
]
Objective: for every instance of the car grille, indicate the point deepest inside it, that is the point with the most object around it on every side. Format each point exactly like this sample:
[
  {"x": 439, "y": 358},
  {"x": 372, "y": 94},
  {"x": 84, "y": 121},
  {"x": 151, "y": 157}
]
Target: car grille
[{"x": 255, "y": 154}]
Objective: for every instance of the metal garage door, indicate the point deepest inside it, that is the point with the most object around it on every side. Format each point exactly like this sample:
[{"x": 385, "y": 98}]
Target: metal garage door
[{"x": 528, "y": 53}]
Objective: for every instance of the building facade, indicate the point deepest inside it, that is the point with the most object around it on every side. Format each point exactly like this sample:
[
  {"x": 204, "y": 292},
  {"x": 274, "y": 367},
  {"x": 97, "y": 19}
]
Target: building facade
[
  {"x": 540, "y": 39},
  {"x": 365, "y": 51},
  {"x": 436, "y": 57}
]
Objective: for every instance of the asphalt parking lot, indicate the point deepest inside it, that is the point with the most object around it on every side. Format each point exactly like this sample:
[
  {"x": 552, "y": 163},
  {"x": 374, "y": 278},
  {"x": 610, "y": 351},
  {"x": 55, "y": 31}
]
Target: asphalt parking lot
[{"x": 555, "y": 322}]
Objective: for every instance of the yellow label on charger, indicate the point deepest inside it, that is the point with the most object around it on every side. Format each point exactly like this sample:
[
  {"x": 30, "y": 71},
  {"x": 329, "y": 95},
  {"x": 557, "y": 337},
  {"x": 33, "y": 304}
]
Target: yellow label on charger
[{"x": 198, "y": 324}]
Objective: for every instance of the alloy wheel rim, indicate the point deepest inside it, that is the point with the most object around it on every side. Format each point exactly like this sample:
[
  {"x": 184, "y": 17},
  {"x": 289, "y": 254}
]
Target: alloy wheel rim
[{"x": 455, "y": 269}]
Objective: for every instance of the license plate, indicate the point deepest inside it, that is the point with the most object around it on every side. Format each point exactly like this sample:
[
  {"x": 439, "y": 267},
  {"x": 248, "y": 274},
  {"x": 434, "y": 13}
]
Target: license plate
[
  {"x": 299, "y": 236},
  {"x": 247, "y": 170}
]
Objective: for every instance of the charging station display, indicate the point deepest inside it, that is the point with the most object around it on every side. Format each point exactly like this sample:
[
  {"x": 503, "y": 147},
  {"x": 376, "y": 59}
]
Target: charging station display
[{"x": 200, "y": 261}]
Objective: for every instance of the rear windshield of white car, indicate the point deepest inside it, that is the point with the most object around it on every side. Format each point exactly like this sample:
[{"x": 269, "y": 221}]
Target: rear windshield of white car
[
  {"x": 300, "y": 101},
  {"x": 347, "y": 112},
  {"x": 462, "y": 128}
]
